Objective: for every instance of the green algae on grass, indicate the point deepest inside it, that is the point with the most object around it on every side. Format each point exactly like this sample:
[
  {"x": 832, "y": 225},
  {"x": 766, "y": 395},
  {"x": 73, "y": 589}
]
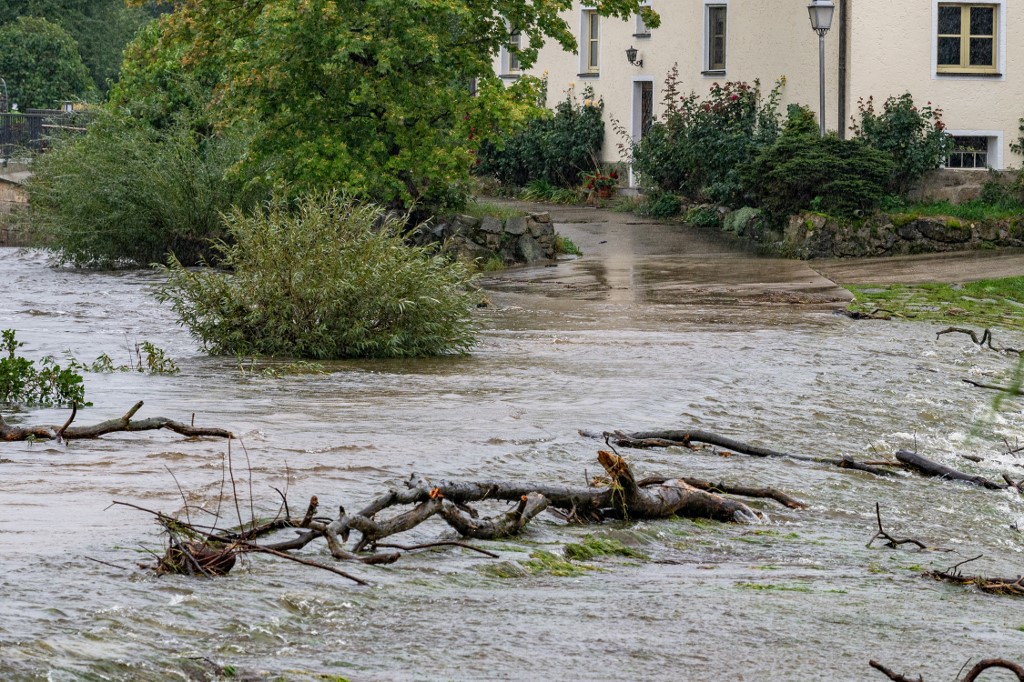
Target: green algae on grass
[
  {"x": 771, "y": 586},
  {"x": 540, "y": 562},
  {"x": 984, "y": 303},
  {"x": 592, "y": 547}
]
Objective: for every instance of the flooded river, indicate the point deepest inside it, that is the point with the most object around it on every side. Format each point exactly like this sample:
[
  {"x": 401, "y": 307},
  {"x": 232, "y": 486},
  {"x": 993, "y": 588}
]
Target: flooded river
[{"x": 655, "y": 327}]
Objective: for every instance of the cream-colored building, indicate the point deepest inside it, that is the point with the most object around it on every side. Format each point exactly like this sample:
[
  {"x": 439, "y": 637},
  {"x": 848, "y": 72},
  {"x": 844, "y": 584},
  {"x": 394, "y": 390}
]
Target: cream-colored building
[{"x": 965, "y": 58}]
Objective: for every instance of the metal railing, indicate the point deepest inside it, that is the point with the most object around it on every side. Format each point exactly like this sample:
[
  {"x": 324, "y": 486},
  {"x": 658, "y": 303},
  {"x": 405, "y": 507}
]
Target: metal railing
[{"x": 30, "y": 132}]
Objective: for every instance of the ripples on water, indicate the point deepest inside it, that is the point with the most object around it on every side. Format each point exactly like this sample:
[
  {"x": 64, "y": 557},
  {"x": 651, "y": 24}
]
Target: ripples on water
[{"x": 801, "y": 598}]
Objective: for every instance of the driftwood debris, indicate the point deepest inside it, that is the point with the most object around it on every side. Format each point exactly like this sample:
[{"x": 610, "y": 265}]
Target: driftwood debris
[
  {"x": 124, "y": 423},
  {"x": 925, "y": 466},
  {"x": 971, "y": 676},
  {"x": 1006, "y": 586},
  {"x": 984, "y": 342},
  {"x": 680, "y": 438},
  {"x": 209, "y": 551},
  {"x": 894, "y": 542}
]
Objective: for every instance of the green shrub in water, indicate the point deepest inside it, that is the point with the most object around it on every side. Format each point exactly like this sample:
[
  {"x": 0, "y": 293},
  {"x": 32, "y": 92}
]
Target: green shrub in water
[
  {"x": 22, "y": 382},
  {"x": 327, "y": 278}
]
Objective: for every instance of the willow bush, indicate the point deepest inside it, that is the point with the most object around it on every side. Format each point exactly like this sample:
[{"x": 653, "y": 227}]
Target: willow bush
[
  {"x": 128, "y": 194},
  {"x": 326, "y": 278}
]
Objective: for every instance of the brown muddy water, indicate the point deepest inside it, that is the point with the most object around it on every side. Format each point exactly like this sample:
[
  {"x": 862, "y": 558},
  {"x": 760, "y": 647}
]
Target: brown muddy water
[{"x": 656, "y": 326}]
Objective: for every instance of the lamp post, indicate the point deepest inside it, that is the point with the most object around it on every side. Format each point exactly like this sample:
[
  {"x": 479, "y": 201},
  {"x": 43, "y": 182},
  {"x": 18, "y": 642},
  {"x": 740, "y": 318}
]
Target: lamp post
[{"x": 821, "y": 21}]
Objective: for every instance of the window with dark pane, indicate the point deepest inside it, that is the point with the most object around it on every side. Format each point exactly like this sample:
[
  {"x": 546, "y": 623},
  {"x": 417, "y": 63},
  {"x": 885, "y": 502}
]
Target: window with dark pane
[
  {"x": 593, "y": 37},
  {"x": 966, "y": 37},
  {"x": 716, "y": 38},
  {"x": 515, "y": 42},
  {"x": 969, "y": 151}
]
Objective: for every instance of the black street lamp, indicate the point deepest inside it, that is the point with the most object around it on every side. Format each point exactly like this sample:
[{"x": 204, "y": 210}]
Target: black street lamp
[{"x": 821, "y": 21}]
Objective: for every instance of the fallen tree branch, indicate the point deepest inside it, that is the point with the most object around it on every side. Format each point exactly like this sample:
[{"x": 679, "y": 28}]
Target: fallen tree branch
[
  {"x": 985, "y": 340},
  {"x": 738, "y": 490},
  {"x": 971, "y": 676},
  {"x": 890, "y": 540},
  {"x": 124, "y": 423},
  {"x": 927, "y": 467},
  {"x": 995, "y": 387},
  {"x": 677, "y": 438},
  {"x": 506, "y": 525}
]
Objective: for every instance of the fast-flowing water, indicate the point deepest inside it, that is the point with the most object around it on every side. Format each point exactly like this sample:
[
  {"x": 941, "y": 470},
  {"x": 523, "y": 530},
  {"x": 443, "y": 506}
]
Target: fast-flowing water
[{"x": 656, "y": 327}]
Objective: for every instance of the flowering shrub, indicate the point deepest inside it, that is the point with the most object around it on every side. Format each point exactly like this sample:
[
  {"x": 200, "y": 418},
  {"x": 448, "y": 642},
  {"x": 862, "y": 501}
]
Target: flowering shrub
[
  {"x": 555, "y": 148},
  {"x": 598, "y": 180},
  {"x": 914, "y": 136},
  {"x": 701, "y": 144}
]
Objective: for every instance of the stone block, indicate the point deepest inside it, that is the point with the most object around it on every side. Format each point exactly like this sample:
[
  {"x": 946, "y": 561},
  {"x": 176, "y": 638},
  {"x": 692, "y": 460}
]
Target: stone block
[
  {"x": 516, "y": 226},
  {"x": 544, "y": 217},
  {"x": 944, "y": 230},
  {"x": 529, "y": 249},
  {"x": 491, "y": 225}
]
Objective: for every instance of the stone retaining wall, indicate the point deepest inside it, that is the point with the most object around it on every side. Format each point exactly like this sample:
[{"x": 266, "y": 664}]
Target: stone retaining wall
[
  {"x": 812, "y": 235},
  {"x": 521, "y": 239}
]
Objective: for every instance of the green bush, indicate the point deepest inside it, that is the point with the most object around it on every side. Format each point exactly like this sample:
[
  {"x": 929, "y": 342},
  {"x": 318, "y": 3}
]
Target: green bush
[
  {"x": 554, "y": 149},
  {"x": 23, "y": 383},
  {"x": 803, "y": 170},
  {"x": 700, "y": 146},
  {"x": 126, "y": 193},
  {"x": 914, "y": 136},
  {"x": 328, "y": 278},
  {"x": 660, "y": 205}
]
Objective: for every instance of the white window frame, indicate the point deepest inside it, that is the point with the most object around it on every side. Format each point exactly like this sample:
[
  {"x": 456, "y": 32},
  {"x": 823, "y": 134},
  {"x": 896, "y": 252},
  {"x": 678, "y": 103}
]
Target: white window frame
[
  {"x": 589, "y": 44},
  {"x": 1000, "y": 48},
  {"x": 995, "y": 146},
  {"x": 510, "y": 66},
  {"x": 708, "y": 70},
  {"x": 641, "y": 30}
]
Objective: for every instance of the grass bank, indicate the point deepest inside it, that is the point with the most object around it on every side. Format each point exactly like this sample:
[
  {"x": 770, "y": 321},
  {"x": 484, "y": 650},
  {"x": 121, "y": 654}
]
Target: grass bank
[{"x": 985, "y": 303}]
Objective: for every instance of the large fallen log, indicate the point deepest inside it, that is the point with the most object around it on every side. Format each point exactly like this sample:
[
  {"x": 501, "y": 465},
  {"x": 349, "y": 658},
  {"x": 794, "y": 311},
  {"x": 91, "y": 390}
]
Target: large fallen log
[
  {"x": 124, "y": 423},
  {"x": 670, "y": 498},
  {"x": 927, "y": 467},
  {"x": 971, "y": 676}
]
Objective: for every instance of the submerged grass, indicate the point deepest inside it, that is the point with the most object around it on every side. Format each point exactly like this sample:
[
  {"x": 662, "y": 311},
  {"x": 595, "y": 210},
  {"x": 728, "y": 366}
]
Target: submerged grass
[{"x": 985, "y": 303}]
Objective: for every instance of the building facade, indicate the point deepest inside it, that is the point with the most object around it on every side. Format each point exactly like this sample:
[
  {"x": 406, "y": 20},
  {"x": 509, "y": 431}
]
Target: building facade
[{"x": 960, "y": 56}]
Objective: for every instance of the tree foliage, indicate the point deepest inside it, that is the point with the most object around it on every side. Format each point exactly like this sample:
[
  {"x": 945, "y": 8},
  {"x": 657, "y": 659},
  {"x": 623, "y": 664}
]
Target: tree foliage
[
  {"x": 553, "y": 148},
  {"x": 330, "y": 278},
  {"x": 40, "y": 63},
  {"x": 100, "y": 28},
  {"x": 369, "y": 95},
  {"x": 127, "y": 193}
]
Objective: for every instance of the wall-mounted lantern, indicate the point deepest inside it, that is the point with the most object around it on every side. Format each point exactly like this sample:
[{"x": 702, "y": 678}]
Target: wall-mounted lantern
[{"x": 631, "y": 57}]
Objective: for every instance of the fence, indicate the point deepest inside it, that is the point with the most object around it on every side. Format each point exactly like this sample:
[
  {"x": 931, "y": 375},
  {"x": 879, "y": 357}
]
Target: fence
[{"x": 32, "y": 130}]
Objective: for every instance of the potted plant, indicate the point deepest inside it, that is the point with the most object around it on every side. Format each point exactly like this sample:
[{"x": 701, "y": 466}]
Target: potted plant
[{"x": 600, "y": 183}]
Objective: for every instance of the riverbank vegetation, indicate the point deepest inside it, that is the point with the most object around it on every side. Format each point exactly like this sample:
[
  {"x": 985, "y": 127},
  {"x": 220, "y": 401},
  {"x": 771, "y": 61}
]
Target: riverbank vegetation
[
  {"x": 328, "y": 277},
  {"x": 984, "y": 303}
]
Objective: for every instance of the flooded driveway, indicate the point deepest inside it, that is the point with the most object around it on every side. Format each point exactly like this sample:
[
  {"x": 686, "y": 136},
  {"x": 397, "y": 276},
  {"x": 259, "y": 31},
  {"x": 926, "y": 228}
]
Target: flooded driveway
[{"x": 656, "y": 326}]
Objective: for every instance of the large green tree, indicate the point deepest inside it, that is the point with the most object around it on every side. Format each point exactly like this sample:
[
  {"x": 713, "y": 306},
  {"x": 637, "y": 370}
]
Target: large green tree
[
  {"x": 369, "y": 95},
  {"x": 101, "y": 28},
  {"x": 40, "y": 64}
]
